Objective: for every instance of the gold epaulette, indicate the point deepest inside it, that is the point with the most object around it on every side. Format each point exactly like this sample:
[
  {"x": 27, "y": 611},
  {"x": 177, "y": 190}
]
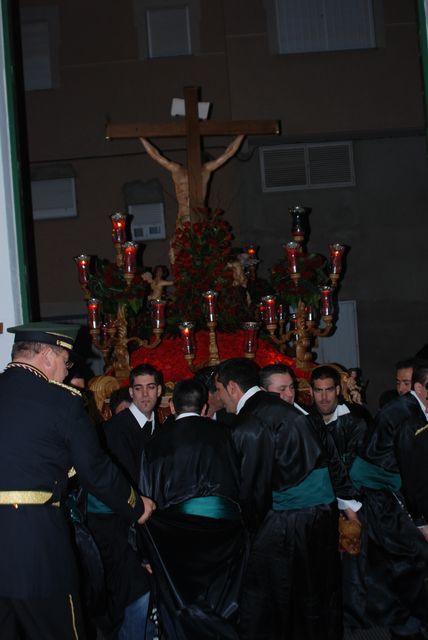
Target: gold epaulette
[
  {"x": 72, "y": 390},
  {"x": 421, "y": 430}
]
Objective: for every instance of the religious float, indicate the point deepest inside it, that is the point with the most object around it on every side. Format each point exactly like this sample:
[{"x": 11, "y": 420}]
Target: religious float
[{"x": 215, "y": 306}]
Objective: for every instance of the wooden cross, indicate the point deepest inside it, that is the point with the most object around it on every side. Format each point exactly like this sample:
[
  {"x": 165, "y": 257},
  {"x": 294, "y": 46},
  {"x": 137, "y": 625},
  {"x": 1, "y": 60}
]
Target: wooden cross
[{"x": 193, "y": 129}]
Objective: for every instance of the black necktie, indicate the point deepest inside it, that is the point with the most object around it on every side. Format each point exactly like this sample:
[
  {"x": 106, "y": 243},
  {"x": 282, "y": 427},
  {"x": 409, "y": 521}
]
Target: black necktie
[{"x": 147, "y": 429}]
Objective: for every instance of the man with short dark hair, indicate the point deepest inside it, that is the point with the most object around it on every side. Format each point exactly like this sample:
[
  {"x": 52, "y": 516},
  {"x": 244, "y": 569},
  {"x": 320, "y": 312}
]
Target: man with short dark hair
[
  {"x": 403, "y": 375},
  {"x": 191, "y": 468},
  {"x": 280, "y": 379},
  {"x": 343, "y": 421},
  {"x": 126, "y": 435},
  {"x": 392, "y": 471},
  {"x": 292, "y": 585},
  {"x": 44, "y": 431}
]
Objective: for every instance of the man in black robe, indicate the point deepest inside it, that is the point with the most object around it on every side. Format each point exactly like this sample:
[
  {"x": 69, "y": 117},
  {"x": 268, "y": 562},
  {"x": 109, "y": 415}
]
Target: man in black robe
[
  {"x": 44, "y": 431},
  {"x": 292, "y": 584},
  {"x": 191, "y": 467},
  {"x": 347, "y": 423},
  {"x": 392, "y": 472},
  {"x": 127, "y": 581}
]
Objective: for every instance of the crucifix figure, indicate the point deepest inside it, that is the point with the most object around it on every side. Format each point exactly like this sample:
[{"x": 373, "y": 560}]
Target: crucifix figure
[{"x": 191, "y": 182}]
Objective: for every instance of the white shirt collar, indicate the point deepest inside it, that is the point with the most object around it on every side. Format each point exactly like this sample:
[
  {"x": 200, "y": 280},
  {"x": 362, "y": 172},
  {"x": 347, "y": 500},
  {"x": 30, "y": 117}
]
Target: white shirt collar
[
  {"x": 421, "y": 404},
  {"x": 243, "y": 399},
  {"x": 140, "y": 417},
  {"x": 187, "y": 415},
  {"x": 341, "y": 410},
  {"x": 299, "y": 408}
]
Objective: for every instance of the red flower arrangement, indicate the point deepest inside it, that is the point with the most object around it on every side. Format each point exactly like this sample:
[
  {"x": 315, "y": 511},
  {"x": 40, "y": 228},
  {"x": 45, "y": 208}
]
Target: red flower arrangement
[
  {"x": 169, "y": 358},
  {"x": 201, "y": 253}
]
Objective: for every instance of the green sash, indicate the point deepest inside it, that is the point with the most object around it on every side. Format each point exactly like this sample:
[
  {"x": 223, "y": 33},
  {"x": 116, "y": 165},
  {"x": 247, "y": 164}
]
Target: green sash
[
  {"x": 96, "y": 506},
  {"x": 314, "y": 490},
  {"x": 209, "y": 507},
  {"x": 366, "y": 474}
]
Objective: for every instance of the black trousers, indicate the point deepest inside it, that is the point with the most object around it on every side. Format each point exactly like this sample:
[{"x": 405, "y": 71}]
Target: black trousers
[{"x": 58, "y": 617}]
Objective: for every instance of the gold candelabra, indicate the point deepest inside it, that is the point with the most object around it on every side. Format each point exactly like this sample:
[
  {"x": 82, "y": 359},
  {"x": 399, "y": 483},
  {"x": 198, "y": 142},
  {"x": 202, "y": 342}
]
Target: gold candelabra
[{"x": 304, "y": 329}]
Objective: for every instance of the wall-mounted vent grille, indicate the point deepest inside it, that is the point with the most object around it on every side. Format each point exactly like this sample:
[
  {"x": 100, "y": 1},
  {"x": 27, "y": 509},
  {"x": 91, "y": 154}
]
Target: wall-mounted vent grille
[{"x": 307, "y": 166}]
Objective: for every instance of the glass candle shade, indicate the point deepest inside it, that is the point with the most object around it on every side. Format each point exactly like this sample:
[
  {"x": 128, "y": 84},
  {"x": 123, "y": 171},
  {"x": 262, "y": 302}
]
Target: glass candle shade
[
  {"x": 130, "y": 250},
  {"x": 118, "y": 224},
  {"x": 93, "y": 306},
  {"x": 280, "y": 313},
  {"x": 310, "y": 313},
  {"x": 187, "y": 337},
  {"x": 299, "y": 222},
  {"x": 293, "y": 252},
  {"x": 158, "y": 313},
  {"x": 336, "y": 255},
  {"x": 293, "y": 325},
  {"x": 250, "y": 336},
  {"x": 261, "y": 311},
  {"x": 210, "y": 299},
  {"x": 83, "y": 262},
  {"x": 326, "y": 301},
  {"x": 269, "y": 303}
]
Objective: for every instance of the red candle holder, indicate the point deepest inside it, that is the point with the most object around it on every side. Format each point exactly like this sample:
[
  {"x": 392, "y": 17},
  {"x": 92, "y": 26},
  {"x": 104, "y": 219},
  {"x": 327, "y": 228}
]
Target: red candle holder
[
  {"x": 252, "y": 251},
  {"x": 118, "y": 224},
  {"x": 326, "y": 301},
  {"x": 281, "y": 313},
  {"x": 93, "y": 313},
  {"x": 83, "y": 262},
  {"x": 270, "y": 309},
  {"x": 250, "y": 338},
  {"x": 158, "y": 313},
  {"x": 130, "y": 250},
  {"x": 293, "y": 252},
  {"x": 187, "y": 338},
  {"x": 210, "y": 298},
  {"x": 310, "y": 313},
  {"x": 336, "y": 255}
]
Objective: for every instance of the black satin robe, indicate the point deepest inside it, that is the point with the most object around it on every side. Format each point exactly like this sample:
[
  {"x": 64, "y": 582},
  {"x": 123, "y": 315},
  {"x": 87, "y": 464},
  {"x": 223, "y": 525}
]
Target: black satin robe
[
  {"x": 190, "y": 458},
  {"x": 386, "y": 582},
  {"x": 292, "y": 584}
]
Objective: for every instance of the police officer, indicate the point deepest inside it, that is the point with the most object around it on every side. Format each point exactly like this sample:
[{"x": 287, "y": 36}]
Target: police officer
[{"x": 44, "y": 432}]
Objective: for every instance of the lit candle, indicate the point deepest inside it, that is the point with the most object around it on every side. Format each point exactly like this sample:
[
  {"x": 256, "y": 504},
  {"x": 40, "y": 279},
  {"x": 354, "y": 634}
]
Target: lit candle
[
  {"x": 326, "y": 301},
  {"x": 252, "y": 250},
  {"x": 118, "y": 224},
  {"x": 158, "y": 313},
  {"x": 299, "y": 222},
  {"x": 130, "y": 250},
  {"x": 186, "y": 330},
  {"x": 210, "y": 305},
  {"x": 83, "y": 262},
  {"x": 270, "y": 309},
  {"x": 93, "y": 305},
  {"x": 250, "y": 337},
  {"x": 336, "y": 255},
  {"x": 293, "y": 251}
]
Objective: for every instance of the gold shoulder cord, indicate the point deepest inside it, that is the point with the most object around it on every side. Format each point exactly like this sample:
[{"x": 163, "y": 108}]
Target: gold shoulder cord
[
  {"x": 421, "y": 430},
  {"x": 27, "y": 367},
  {"x": 72, "y": 390}
]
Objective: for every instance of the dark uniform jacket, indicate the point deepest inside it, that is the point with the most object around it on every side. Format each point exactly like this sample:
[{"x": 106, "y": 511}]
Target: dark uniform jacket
[
  {"x": 44, "y": 431},
  {"x": 398, "y": 443}
]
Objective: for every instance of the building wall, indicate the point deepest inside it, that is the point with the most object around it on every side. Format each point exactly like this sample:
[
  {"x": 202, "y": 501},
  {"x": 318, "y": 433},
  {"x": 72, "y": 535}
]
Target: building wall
[{"x": 373, "y": 97}]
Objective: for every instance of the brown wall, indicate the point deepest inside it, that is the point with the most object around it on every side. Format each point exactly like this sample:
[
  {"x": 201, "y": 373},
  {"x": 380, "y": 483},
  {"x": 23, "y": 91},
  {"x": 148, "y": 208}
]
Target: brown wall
[{"x": 373, "y": 97}]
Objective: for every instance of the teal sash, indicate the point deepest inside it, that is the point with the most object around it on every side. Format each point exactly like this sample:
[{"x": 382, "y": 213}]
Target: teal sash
[
  {"x": 209, "y": 507},
  {"x": 314, "y": 490},
  {"x": 366, "y": 474},
  {"x": 96, "y": 506}
]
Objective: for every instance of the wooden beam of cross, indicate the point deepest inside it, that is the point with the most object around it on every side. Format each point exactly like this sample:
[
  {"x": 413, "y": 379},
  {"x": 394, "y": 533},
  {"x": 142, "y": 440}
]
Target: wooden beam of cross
[{"x": 193, "y": 129}]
